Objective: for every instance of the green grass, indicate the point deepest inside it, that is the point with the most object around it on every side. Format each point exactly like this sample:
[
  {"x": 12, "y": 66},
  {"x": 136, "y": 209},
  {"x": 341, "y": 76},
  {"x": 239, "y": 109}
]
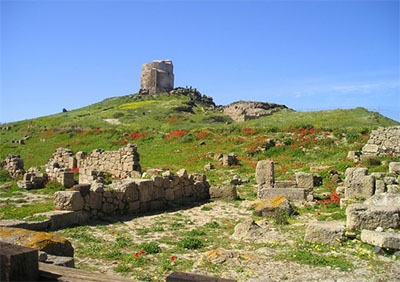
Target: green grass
[{"x": 169, "y": 138}]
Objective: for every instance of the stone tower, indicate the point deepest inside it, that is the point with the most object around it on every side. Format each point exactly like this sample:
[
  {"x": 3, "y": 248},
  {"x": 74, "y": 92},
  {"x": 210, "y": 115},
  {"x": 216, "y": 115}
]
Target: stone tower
[{"x": 157, "y": 76}]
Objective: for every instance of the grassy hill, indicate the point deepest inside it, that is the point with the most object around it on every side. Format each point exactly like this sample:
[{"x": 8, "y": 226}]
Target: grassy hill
[{"x": 172, "y": 132}]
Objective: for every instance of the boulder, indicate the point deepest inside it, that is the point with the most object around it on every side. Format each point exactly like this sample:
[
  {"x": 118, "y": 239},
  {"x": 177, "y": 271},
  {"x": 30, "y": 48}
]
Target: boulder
[
  {"x": 248, "y": 230},
  {"x": 304, "y": 180},
  {"x": 389, "y": 240},
  {"x": 265, "y": 174},
  {"x": 270, "y": 207},
  {"x": 394, "y": 167},
  {"x": 326, "y": 232},
  {"x": 68, "y": 200},
  {"x": 50, "y": 243},
  {"x": 359, "y": 185},
  {"x": 224, "y": 191},
  {"x": 361, "y": 216},
  {"x": 384, "y": 199}
]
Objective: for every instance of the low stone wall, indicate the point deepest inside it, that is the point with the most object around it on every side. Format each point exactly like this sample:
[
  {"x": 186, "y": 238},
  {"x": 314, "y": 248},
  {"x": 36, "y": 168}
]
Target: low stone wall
[
  {"x": 121, "y": 163},
  {"x": 384, "y": 140},
  {"x": 14, "y": 165},
  {"x": 299, "y": 190},
  {"x": 131, "y": 196}
]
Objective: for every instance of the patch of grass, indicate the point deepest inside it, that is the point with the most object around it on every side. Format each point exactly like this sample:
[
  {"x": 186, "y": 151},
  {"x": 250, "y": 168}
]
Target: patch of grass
[
  {"x": 316, "y": 255},
  {"x": 150, "y": 248},
  {"x": 191, "y": 243}
]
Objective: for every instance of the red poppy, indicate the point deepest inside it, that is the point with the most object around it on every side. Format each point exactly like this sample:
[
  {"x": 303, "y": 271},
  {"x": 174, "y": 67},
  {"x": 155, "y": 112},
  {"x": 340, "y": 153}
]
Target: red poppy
[
  {"x": 137, "y": 255},
  {"x": 142, "y": 252},
  {"x": 173, "y": 258}
]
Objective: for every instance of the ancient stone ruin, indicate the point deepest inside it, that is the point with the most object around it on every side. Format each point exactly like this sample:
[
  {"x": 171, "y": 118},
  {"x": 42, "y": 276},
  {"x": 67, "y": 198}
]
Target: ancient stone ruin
[
  {"x": 245, "y": 110},
  {"x": 300, "y": 189},
  {"x": 132, "y": 196},
  {"x": 157, "y": 77},
  {"x": 372, "y": 203},
  {"x": 384, "y": 140},
  {"x": 14, "y": 165},
  {"x": 93, "y": 166}
]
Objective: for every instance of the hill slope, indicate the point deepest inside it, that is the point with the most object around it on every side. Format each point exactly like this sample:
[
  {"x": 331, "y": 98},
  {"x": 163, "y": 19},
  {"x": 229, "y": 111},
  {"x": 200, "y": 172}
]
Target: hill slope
[{"x": 175, "y": 131}]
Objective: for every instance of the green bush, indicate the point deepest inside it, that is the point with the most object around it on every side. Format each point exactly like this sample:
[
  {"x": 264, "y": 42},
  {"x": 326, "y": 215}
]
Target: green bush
[
  {"x": 191, "y": 243},
  {"x": 150, "y": 248}
]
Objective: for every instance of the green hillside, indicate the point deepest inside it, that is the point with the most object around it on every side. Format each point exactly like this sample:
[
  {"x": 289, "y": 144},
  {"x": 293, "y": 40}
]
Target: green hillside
[{"x": 175, "y": 132}]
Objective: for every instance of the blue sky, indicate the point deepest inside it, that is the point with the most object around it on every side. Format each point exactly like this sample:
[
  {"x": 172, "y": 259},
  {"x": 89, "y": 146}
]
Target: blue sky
[{"x": 308, "y": 55}]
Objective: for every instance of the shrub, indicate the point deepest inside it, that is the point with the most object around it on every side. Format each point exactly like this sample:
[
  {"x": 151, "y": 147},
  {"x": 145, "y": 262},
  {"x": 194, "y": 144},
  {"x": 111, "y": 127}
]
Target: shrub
[
  {"x": 191, "y": 243},
  {"x": 150, "y": 248}
]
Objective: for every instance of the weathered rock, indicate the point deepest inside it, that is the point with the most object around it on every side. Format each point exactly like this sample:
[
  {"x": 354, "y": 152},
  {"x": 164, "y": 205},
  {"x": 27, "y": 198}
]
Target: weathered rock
[
  {"x": 359, "y": 185},
  {"x": 18, "y": 263},
  {"x": 360, "y": 216},
  {"x": 293, "y": 194},
  {"x": 218, "y": 256},
  {"x": 270, "y": 207},
  {"x": 265, "y": 174},
  {"x": 384, "y": 140},
  {"x": 245, "y": 110},
  {"x": 384, "y": 199},
  {"x": 50, "y": 243},
  {"x": 326, "y": 232},
  {"x": 14, "y": 165},
  {"x": 224, "y": 191},
  {"x": 390, "y": 240},
  {"x": 248, "y": 230},
  {"x": 304, "y": 180},
  {"x": 394, "y": 167},
  {"x": 68, "y": 200}
]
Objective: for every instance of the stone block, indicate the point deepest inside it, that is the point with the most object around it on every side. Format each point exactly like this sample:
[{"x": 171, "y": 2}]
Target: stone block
[
  {"x": 285, "y": 184},
  {"x": 394, "y": 167},
  {"x": 133, "y": 206},
  {"x": 380, "y": 187},
  {"x": 393, "y": 189},
  {"x": 68, "y": 200},
  {"x": 182, "y": 173},
  {"x": 270, "y": 207},
  {"x": 294, "y": 194},
  {"x": 265, "y": 174},
  {"x": 384, "y": 199},
  {"x": 361, "y": 216},
  {"x": 83, "y": 188},
  {"x": 48, "y": 242},
  {"x": 108, "y": 208},
  {"x": 359, "y": 185},
  {"x": 390, "y": 240},
  {"x": 18, "y": 263},
  {"x": 304, "y": 180},
  {"x": 326, "y": 232},
  {"x": 65, "y": 219},
  {"x": 188, "y": 190},
  {"x": 225, "y": 191},
  {"x": 146, "y": 191},
  {"x": 95, "y": 200},
  {"x": 169, "y": 195}
]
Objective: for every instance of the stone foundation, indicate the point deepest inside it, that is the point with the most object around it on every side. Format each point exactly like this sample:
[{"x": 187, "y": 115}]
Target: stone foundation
[{"x": 131, "y": 196}]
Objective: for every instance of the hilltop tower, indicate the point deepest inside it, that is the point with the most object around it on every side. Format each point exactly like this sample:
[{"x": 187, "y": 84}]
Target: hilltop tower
[{"x": 157, "y": 76}]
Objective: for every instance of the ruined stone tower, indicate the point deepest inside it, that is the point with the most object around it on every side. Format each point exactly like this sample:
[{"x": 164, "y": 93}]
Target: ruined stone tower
[{"x": 156, "y": 77}]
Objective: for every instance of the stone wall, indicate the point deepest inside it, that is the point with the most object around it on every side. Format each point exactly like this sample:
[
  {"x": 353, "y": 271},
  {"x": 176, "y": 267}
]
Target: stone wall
[
  {"x": 299, "y": 190},
  {"x": 384, "y": 140},
  {"x": 131, "y": 196},
  {"x": 119, "y": 163},
  {"x": 157, "y": 77},
  {"x": 14, "y": 165},
  {"x": 122, "y": 163}
]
